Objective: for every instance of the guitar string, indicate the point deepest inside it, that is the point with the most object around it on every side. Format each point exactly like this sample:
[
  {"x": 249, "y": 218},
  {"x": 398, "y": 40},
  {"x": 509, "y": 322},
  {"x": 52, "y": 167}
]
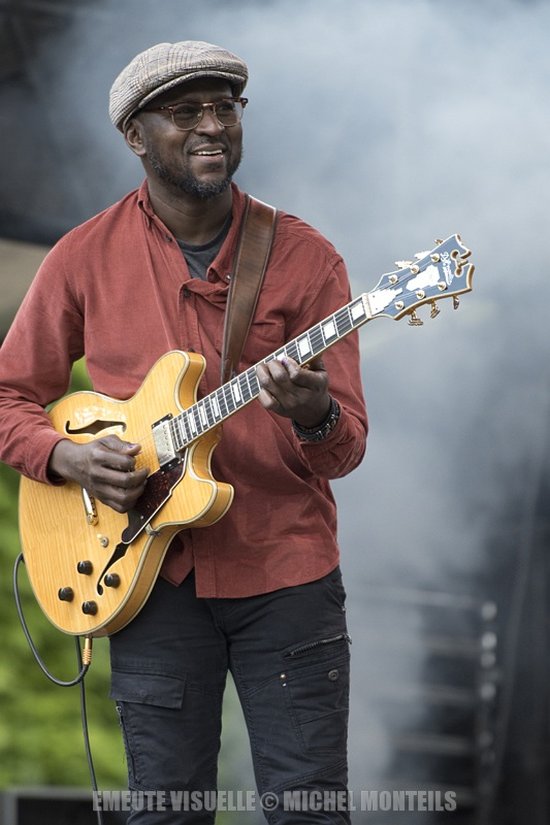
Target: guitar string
[
  {"x": 341, "y": 316},
  {"x": 146, "y": 440}
]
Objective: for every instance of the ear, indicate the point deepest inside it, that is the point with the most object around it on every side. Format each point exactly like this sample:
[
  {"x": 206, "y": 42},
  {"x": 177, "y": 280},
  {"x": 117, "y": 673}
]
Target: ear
[{"x": 133, "y": 135}]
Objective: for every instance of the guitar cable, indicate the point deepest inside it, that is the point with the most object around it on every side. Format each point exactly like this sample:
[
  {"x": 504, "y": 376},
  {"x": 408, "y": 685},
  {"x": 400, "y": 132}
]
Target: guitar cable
[{"x": 83, "y": 658}]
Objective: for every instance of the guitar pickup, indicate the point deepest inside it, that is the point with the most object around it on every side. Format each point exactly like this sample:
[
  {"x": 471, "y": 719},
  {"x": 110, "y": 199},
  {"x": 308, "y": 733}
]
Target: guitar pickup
[{"x": 164, "y": 445}]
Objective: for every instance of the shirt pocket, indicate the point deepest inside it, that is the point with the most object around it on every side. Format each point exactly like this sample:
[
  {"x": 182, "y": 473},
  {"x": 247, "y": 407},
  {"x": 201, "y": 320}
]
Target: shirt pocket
[{"x": 264, "y": 337}]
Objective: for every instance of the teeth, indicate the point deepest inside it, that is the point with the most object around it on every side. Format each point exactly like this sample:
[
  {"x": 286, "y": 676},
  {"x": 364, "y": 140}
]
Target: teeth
[{"x": 216, "y": 152}]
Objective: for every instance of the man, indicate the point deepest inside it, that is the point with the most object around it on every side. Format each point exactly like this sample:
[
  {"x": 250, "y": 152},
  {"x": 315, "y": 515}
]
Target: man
[{"x": 259, "y": 592}]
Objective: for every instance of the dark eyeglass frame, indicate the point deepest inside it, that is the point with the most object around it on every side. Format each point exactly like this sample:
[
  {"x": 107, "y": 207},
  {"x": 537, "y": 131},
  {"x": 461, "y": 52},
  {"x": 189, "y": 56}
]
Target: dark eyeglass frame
[{"x": 212, "y": 106}]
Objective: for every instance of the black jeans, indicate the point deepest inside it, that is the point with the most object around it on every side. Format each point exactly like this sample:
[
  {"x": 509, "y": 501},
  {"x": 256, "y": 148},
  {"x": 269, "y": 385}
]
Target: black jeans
[{"x": 288, "y": 652}]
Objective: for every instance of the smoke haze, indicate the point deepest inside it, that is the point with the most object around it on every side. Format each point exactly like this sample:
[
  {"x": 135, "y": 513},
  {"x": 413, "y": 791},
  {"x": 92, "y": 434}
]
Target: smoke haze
[{"x": 386, "y": 125}]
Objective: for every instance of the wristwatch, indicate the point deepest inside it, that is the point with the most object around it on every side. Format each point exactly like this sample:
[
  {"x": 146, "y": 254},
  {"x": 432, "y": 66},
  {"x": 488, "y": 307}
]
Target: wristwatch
[{"x": 323, "y": 429}]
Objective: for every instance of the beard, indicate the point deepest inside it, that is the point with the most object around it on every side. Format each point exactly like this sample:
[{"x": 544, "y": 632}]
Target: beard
[{"x": 181, "y": 180}]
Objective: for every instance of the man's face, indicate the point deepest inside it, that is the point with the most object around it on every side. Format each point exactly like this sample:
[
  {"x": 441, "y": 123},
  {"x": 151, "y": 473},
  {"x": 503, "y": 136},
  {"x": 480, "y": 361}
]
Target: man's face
[{"x": 200, "y": 162}]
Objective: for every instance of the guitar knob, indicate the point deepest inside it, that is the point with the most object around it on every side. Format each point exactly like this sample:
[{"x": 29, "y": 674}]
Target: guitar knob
[
  {"x": 90, "y": 608},
  {"x": 85, "y": 567},
  {"x": 112, "y": 580},
  {"x": 65, "y": 594}
]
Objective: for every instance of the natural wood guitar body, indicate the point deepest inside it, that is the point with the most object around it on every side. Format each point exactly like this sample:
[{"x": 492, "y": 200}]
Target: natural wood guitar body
[
  {"x": 55, "y": 521},
  {"x": 91, "y": 568}
]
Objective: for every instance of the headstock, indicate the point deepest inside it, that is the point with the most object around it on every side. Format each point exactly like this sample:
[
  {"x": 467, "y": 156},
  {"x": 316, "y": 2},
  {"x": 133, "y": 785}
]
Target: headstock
[{"x": 443, "y": 272}]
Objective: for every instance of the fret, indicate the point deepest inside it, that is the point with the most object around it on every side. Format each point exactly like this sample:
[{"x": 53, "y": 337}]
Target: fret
[
  {"x": 253, "y": 382},
  {"x": 192, "y": 422},
  {"x": 197, "y": 417},
  {"x": 304, "y": 347},
  {"x": 220, "y": 395},
  {"x": 228, "y": 398},
  {"x": 208, "y": 411},
  {"x": 183, "y": 428},
  {"x": 242, "y": 389},
  {"x": 343, "y": 321},
  {"x": 292, "y": 350},
  {"x": 236, "y": 391},
  {"x": 184, "y": 425},
  {"x": 275, "y": 356},
  {"x": 173, "y": 426},
  {"x": 202, "y": 414},
  {"x": 319, "y": 328},
  {"x": 357, "y": 311},
  {"x": 184, "y": 437},
  {"x": 215, "y": 406},
  {"x": 316, "y": 338},
  {"x": 329, "y": 329}
]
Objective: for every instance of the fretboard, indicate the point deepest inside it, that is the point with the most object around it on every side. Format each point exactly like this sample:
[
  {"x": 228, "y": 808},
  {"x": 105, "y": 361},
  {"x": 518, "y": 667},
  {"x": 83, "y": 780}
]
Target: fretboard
[{"x": 232, "y": 396}]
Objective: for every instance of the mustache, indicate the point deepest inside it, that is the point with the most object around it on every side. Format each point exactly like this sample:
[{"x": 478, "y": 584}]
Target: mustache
[{"x": 205, "y": 142}]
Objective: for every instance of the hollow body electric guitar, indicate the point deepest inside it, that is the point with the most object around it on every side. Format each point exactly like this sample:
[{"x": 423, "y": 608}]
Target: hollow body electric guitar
[{"x": 92, "y": 568}]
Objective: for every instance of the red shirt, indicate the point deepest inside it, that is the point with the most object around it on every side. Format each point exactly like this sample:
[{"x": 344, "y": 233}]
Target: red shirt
[{"x": 117, "y": 290}]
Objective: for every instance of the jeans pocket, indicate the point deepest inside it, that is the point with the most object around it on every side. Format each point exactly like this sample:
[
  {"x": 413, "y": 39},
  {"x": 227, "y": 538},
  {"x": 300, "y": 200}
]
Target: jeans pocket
[
  {"x": 157, "y": 689},
  {"x": 146, "y": 704},
  {"x": 316, "y": 685}
]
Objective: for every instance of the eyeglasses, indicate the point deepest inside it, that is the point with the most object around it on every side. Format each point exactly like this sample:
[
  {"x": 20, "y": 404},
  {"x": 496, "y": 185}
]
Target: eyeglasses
[{"x": 188, "y": 115}]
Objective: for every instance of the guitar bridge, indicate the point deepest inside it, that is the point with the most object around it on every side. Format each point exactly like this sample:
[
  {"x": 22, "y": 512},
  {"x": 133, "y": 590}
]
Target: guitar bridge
[{"x": 164, "y": 445}]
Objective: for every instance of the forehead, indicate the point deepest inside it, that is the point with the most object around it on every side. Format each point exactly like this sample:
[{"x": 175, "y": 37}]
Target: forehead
[{"x": 201, "y": 88}]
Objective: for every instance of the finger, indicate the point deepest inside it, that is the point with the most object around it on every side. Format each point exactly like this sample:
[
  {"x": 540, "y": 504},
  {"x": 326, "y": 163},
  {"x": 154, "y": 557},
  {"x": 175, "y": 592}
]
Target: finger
[
  {"x": 312, "y": 377},
  {"x": 120, "y": 500},
  {"x": 317, "y": 364},
  {"x": 116, "y": 461},
  {"x": 274, "y": 380},
  {"x": 117, "y": 445},
  {"x": 268, "y": 400},
  {"x": 106, "y": 479},
  {"x": 275, "y": 370}
]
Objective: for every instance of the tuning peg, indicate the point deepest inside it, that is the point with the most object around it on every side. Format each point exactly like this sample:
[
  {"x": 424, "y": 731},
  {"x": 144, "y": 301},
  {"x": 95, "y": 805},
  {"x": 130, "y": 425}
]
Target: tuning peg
[
  {"x": 456, "y": 301},
  {"x": 438, "y": 241},
  {"x": 403, "y": 264},
  {"x": 414, "y": 320},
  {"x": 434, "y": 311},
  {"x": 420, "y": 255}
]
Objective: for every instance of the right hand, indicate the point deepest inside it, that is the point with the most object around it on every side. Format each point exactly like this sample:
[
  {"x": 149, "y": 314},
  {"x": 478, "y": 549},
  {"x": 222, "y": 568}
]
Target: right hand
[{"x": 105, "y": 467}]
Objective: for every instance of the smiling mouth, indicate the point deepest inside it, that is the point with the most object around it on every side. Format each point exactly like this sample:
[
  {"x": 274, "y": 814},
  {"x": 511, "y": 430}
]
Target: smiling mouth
[{"x": 208, "y": 153}]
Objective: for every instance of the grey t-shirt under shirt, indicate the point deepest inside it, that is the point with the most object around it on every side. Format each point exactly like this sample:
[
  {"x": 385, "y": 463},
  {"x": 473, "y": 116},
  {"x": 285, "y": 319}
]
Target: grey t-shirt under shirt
[{"x": 199, "y": 258}]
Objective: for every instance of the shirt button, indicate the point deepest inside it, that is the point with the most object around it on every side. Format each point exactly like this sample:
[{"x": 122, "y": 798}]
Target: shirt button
[{"x": 333, "y": 674}]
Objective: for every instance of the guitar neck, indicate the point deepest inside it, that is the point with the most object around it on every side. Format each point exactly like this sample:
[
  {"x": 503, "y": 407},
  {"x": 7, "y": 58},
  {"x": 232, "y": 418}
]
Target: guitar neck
[{"x": 232, "y": 396}]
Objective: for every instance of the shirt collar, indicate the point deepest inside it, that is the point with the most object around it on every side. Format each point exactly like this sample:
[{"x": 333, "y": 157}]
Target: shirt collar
[{"x": 223, "y": 263}]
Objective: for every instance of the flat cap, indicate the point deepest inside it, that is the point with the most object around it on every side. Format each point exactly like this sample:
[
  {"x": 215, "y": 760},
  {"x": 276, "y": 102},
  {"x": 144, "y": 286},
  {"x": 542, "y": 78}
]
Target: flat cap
[{"x": 166, "y": 65}]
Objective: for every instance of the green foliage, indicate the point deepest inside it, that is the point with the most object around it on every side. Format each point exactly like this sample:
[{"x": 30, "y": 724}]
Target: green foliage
[{"x": 40, "y": 729}]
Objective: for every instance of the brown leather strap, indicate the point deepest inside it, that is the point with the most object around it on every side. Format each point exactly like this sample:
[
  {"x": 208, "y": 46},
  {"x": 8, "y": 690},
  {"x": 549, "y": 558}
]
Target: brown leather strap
[{"x": 246, "y": 281}]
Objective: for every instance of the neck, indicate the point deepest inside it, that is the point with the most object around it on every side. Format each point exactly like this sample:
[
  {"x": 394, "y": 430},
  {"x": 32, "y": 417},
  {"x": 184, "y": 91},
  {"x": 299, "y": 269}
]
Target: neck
[{"x": 191, "y": 219}]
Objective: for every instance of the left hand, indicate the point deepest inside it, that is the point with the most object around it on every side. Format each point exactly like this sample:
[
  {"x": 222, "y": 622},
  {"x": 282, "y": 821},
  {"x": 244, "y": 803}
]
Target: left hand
[{"x": 296, "y": 392}]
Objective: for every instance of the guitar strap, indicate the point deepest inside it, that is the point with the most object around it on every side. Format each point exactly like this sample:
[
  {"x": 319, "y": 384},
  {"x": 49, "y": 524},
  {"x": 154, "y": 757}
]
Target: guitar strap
[{"x": 251, "y": 262}]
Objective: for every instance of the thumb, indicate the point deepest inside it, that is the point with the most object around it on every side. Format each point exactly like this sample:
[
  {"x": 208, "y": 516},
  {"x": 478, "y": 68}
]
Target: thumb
[
  {"x": 316, "y": 364},
  {"x": 113, "y": 442}
]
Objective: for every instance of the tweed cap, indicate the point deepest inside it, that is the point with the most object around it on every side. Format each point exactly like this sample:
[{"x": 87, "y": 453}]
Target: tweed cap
[{"x": 166, "y": 65}]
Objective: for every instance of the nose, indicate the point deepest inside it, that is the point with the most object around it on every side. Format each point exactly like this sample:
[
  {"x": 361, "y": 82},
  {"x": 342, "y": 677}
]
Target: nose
[{"x": 209, "y": 124}]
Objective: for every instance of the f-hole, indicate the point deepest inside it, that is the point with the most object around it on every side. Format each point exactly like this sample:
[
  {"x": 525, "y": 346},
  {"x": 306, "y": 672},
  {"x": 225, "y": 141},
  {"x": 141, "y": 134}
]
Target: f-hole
[{"x": 94, "y": 427}]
